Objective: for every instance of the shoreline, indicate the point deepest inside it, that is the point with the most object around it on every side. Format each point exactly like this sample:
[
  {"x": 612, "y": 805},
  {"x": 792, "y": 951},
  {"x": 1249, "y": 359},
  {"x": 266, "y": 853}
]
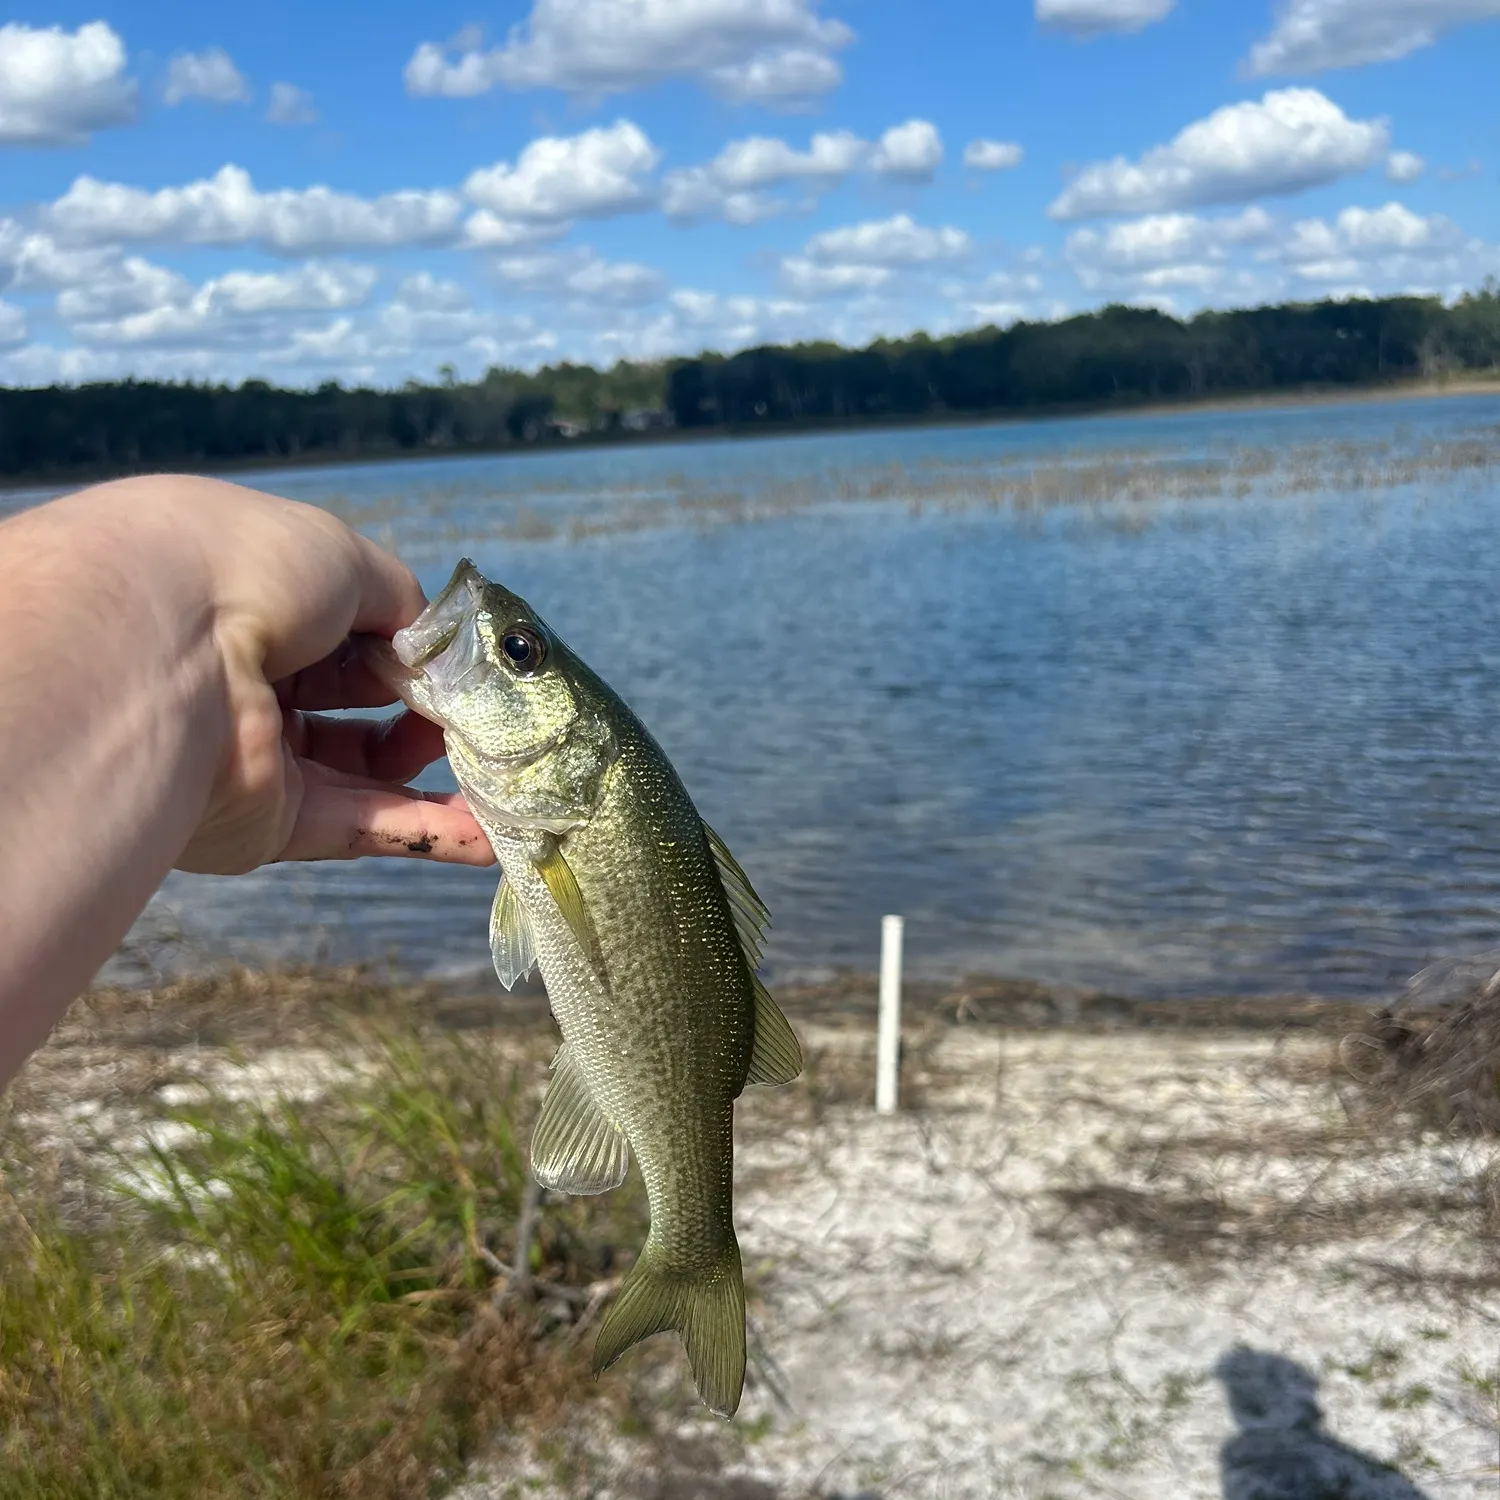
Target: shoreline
[
  {"x": 249, "y": 1003},
  {"x": 1291, "y": 399}
]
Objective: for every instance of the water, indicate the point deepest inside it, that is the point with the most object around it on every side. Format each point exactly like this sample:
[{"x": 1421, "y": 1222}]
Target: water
[{"x": 1243, "y": 738}]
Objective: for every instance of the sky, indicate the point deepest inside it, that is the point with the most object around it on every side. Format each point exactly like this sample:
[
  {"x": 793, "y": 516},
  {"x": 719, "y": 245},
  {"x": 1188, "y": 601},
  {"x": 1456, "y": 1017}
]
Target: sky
[{"x": 298, "y": 191}]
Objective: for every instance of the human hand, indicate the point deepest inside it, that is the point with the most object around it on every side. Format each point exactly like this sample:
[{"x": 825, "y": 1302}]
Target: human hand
[{"x": 286, "y": 585}]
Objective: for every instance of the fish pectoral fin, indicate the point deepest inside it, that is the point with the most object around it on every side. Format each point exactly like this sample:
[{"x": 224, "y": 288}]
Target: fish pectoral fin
[
  {"x": 575, "y": 1148},
  {"x": 706, "y": 1307},
  {"x": 562, "y": 885},
  {"x": 776, "y": 1056},
  {"x": 512, "y": 945},
  {"x": 751, "y": 915}
]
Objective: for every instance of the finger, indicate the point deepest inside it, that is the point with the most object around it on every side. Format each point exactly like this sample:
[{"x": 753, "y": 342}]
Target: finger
[
  {"x": 343, "y": 679},
  {"x": 347, "y": 818},
  {"x": 390, "y": 596},
  {"x": 393, "y": 749}
]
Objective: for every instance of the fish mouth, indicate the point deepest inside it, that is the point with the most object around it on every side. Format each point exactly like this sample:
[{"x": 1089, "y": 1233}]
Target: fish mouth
[
  {"x": 436, "y": 628},
  {"x": 400, "y": 663}
]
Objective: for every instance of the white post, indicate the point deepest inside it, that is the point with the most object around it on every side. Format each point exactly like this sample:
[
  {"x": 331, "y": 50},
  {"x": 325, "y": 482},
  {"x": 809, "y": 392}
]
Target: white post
[{"x": 888, "y": 1038}]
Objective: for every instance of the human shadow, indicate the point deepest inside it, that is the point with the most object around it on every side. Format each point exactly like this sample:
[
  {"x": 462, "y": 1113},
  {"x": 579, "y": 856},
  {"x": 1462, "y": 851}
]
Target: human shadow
[{"x": 1282, "y": 1451}]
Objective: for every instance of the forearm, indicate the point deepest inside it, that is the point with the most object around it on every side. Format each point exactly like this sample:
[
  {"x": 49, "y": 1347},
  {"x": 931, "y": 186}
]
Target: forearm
[{"x": 113, "y": 723}]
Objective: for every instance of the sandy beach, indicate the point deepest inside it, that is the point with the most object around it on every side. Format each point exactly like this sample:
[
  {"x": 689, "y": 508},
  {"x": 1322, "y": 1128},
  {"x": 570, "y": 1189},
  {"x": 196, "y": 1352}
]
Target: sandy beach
[{"x": 1146, "y": 1251}]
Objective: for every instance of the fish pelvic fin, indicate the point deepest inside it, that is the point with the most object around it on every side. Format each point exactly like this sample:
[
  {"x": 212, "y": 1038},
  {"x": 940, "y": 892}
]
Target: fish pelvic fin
[
  {"x": 776, "y": 1057},
  {"x": 511, "y": 943},
  {"x": 576, "y": 1148},
  {"x": 707, "y": 1308}
]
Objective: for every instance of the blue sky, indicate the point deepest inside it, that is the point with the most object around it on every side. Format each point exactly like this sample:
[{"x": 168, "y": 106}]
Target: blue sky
[{"x": 305, "y": 190}]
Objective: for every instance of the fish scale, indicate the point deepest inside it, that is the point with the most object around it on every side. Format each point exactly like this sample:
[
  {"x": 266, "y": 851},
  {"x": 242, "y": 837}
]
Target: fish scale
[{"x": 646, "y": 933}]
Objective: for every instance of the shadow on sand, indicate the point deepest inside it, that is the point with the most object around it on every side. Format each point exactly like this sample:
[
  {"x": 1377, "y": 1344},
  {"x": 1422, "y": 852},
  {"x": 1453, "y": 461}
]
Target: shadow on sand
[{"x": 1282, "y": 1451}]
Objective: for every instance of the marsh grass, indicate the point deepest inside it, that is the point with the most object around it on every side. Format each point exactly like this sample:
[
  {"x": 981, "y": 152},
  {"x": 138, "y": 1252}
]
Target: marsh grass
[
  {"x": 290, "y": 1296},
  {"x": 1127, "y": 488}
]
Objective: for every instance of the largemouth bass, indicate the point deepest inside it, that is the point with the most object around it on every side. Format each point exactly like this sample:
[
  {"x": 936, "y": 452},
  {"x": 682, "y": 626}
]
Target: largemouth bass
[{"x": 647, "y": 934}]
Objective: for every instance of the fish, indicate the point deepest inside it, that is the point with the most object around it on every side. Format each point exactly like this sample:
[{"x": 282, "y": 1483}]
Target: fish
[{"x": 647, "y": 933}]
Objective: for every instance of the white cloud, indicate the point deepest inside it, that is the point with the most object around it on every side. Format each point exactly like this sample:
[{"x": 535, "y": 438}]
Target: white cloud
[
  {"x": 228, "y": 209},
  {"x": 308, "y": 287},
  {"x": 1250, "y": 257},
  {"x": 731, "y": 186},
  {"x": 32, "y": 261},
  {"x": 143, "y": 303},
  {"x": 865, "y": 257},
  {"x": 557, "y": 179},
  {"x": 695, "y": 320},
  {"x": 1404, "y": 166},
  {"x": 1087, "y": 18},
  {"x": 427, "y": 293},
  {"x": 1007, "y": 298},
  {"x": 785, "y": 78},
  {"x": 996, "y": 314},
  {"x": 1368, "y": 242},
  {"x": 56, "y": 86},
  {"x": 908, "y": 153},
  {"x": 763, "y": 161},
  {"x": 1389, "y": 246},
  {"x": 13, "y": 329},
  {"x": 1290, "y": 140},
  {"x": 209, "y": 75},
  {"x": 1002, "y": 298},
  {"x": 1163, "y": 251},
  {"x": 993, "y": 156},
  {"x": 487, "y": 231},
  {"x": 768, "y": 51},
  {"x": 291, "y": 105},
  {"x": 898, "y": 241},
  {"x": 582, "y": 276},
  {"x": 1311, "y": 36},
  {"x": 406, "y": 324},
  {"x": 807, "y": 278},
  {"x": 133, "y": 285}
]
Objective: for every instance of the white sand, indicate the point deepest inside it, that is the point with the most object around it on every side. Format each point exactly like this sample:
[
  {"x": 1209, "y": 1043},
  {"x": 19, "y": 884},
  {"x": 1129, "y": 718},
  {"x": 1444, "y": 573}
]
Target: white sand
[{"x": 932, "y": 1342}]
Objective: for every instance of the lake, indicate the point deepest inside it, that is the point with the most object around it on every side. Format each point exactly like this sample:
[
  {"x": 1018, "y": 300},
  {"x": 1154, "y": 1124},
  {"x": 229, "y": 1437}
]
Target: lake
[{"x": 1170, "y": 703}]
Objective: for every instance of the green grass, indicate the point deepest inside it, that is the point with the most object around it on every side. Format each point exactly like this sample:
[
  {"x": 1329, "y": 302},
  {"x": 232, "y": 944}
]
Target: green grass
[{"x": 294, "y": 1300}]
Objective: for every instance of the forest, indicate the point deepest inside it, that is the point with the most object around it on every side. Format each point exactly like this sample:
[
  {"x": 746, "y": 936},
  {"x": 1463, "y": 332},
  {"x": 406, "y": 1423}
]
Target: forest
[{"x": 1115, "y": 357}]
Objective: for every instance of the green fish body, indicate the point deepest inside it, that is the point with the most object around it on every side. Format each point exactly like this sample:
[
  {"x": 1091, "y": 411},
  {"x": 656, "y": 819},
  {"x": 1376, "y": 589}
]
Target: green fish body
[{"x": 647, "y": 935}]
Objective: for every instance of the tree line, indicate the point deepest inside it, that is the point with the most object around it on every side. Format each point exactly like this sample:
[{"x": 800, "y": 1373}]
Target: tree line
[{"x": 1118, "y": 355}]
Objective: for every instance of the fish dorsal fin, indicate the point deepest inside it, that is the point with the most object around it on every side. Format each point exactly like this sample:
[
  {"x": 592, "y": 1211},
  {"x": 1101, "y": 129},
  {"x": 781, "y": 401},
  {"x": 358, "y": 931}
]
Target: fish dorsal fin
[
  {"x": 563, "y": 887},
  {"x": 776, "y": 1056},
  {"x": 575, "y": 1149},
  {"x": 751, "y": 915},
  {"x": 511, "y": 943}
]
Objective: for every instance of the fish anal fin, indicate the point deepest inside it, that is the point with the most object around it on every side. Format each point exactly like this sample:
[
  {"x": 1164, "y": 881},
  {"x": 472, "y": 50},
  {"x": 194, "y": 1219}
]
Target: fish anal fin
[
  {"x": 706, "y": 1308},
  {"x": 512, "y": 945},
  {"x": 575, "y": 1148},
  {"x": 751, "y": 914},
  {"x": 776, "y": 1056}
]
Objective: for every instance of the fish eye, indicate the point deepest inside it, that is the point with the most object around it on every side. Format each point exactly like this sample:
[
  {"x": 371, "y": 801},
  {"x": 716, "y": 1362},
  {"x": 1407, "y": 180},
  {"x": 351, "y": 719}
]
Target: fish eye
[{"x": 525, "y": 648}]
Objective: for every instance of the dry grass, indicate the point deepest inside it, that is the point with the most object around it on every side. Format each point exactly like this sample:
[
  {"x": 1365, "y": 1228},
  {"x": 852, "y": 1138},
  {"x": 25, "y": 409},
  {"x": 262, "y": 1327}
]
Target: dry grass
[
  {"x": 1429, "y": 1069},
  {"x": 313, "y": 1295}
]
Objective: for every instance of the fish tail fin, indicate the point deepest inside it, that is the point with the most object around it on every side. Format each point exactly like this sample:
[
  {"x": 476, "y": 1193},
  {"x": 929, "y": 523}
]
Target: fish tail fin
[{"x": 706, "y": 1308}]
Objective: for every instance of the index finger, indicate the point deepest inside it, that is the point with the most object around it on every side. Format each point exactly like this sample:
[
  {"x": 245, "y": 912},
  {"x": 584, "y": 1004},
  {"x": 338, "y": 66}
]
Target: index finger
[
  {"x": 343, "y": 679},
  {"x": 390, "y": 597}
]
